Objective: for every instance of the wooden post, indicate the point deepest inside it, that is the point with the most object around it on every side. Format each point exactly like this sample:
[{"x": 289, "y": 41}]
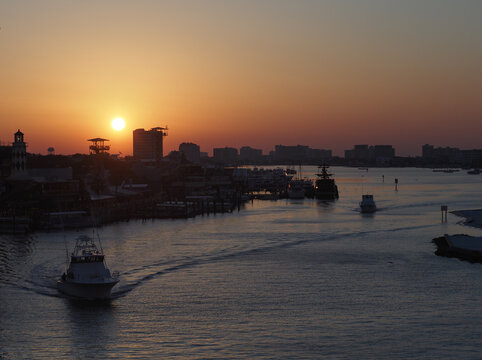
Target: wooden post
[{"x": 444, "y": 209}]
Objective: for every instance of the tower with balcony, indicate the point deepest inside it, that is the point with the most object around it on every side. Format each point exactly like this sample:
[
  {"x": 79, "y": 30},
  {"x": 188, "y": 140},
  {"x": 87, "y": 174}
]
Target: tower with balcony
[{"x": 19, "y": 158}]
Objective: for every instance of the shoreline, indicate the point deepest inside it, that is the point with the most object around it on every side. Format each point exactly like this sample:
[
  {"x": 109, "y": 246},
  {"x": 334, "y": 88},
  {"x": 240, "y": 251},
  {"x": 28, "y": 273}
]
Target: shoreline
[{"x": 473, "y": 218}]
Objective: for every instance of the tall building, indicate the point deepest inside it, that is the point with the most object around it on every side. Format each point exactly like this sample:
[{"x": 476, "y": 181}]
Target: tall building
[
  {"x": 359, "y": 152},
  {"x": 428, "y": 151},
  {"x": 191, "y": 152},
  {"x": 380, "y": 154},
  {"x": 300, "y": 154},
  {"x": 248, "y": 154},
  {"x": 441, "y": 154},
  {"x": 225, "y": 155},
  {"x": 296, "y": 153},
  {"x": 148, "y": 144},
  {"x": 320, "y": 154},
  {"x": 383, "y": 152}
]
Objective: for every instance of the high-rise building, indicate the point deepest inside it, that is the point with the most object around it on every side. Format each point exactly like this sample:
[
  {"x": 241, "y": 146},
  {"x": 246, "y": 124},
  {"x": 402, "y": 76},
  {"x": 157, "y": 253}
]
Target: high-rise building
[
  {"x": 359, "y": 152},
  {"x": 296, "y": 153},
  {"x": 225, "y": 155},
  {"x": 381, "y": 154},
  {"x": 300, "y": 154},
  {"x": 383, "y": 151},
  {"x": 148, "y": 144},
  {"x": 248, "y": 154},
  {"x": 190, "y": 151}
]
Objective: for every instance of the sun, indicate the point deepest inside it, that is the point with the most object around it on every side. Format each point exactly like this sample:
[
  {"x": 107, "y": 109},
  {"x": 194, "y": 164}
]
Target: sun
[{"x": 118, "y": 124}]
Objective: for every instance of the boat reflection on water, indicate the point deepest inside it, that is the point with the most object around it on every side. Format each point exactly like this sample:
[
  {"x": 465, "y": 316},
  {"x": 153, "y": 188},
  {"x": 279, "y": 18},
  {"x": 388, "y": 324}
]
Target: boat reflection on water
[{"x": 87, "y": 276}]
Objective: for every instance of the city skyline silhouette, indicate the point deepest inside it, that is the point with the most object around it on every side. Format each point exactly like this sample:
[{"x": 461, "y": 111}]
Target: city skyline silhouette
[{"x": 325, "y": 74}]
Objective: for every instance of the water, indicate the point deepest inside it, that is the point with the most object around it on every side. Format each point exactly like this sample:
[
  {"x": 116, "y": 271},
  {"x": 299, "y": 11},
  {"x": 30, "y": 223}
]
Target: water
[{"x": 280, "y": 279}]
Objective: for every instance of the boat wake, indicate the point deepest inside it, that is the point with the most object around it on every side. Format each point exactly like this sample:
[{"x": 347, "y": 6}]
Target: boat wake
[
  {"x": 41, "y": 277},
  {"x": 134, "y": 278}
]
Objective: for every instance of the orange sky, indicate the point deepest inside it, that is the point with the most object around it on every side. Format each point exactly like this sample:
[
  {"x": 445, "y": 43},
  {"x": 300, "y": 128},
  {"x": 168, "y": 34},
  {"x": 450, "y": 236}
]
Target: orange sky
[{"x": 326, "y": 74}]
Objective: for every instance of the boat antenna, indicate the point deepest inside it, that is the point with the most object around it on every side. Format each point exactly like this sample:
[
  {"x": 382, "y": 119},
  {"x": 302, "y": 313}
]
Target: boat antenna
[
  {"x": 66, "y": 251},
  {"x": 100, "y": 243}
]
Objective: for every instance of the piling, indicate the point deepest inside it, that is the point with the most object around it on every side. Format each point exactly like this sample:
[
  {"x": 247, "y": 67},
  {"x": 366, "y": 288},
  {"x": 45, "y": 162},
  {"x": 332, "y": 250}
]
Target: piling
[{"x": 444, "y": 210}]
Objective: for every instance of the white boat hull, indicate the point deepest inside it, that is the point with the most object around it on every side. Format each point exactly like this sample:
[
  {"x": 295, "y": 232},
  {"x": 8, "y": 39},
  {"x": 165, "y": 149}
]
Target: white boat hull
[{"x": 91, "y": 291}]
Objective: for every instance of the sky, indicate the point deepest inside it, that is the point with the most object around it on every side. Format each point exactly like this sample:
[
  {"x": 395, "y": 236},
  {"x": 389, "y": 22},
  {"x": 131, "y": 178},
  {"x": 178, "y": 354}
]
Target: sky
[{"x": 327, "y": 74}]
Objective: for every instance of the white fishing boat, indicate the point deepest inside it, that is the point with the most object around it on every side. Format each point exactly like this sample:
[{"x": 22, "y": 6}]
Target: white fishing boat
[
  {"x": 367, "y": 205},
  {"x": 87, "y": 276}
]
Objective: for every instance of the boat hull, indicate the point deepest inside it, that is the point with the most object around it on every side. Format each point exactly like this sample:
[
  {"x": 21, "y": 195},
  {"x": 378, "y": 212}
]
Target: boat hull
[
  {"x": 91, "y": 291},
  {"x": 366, "y": 209},
  {"x": 472, "y": 252},
  {"x": 296, "y": 195},
  {"x": 326, "y": 195}
]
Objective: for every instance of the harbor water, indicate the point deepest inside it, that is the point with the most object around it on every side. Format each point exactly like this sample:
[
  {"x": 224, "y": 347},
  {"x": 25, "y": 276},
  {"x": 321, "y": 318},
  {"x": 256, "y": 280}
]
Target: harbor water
[{"x": 286, "y": 279}]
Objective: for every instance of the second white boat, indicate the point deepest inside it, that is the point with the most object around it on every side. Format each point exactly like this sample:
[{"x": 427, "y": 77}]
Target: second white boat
[{"x": 367, "y": 205}]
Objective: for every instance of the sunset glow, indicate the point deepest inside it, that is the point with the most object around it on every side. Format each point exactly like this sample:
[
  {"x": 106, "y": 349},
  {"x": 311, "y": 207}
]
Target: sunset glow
[{"x": 326, "y": 74}]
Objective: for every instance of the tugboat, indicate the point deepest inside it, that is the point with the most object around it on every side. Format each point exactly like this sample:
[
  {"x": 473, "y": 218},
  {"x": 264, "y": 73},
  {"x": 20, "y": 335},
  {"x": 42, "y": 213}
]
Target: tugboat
[
  {"x": 87, "y": 276},
  {"x": 325, "y": 187},
  {"x": 367, "y": 204}
]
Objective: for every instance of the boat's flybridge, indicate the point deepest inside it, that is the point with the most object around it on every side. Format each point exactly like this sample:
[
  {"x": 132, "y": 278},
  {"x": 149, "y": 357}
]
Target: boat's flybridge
[{"x": 86, "y": 251}]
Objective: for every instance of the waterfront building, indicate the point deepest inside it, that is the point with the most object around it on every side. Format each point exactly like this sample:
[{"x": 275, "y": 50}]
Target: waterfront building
[
  {"x": 148, "y": 144},
  {"x": 319, "y": 154},
  {"x": 451, "y": 156},
  {"x": 248, "y": 154},
  {"x": 472, "y": 157},
  {"x": 226, "y": 155},
  {"x": 296, "y": 153},
  {"x": 299, "y": 154},
  {"x": 439, "y": 155},
  {"x": 382, "y": 154},
  {"x": 359, "y": 152},
  {"x": 379, "y": 154},
  {"x": 191, "y": 152}
]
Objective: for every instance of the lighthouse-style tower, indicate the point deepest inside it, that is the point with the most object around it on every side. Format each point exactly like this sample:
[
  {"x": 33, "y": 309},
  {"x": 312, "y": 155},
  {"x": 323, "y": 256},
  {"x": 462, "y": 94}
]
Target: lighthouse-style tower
[{"x": 19, "y": 158}]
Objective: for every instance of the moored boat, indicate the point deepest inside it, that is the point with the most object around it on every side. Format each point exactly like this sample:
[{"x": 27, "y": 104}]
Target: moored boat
[
  {"x": 296, "y": 189},
  {"x": 87, "y": 276},
  {"x": 461, "y": 246},
  {"x": 325, "y": 187}
]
